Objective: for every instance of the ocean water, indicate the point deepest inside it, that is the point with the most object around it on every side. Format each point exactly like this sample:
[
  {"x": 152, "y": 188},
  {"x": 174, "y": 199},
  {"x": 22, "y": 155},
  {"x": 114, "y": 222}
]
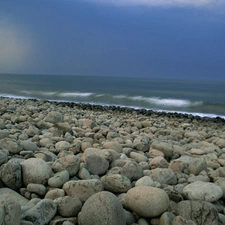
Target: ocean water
[{"x": 202, "y": 98}]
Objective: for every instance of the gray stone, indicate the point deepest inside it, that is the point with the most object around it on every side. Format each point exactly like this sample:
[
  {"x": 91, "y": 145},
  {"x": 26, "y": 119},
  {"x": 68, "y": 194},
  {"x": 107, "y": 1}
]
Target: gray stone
[
  {"x": 84, "y": 174},
  {"x": 105, "y": 207},
  {"x": 113, "y": 145},
  {"x": 221, "y": 182},
  {"x": 159, "y": 162},
  {"x": 10, "y": 174},
  {"x": 10, "y": 210},
  {"x": 83, "y": 189},
  {"x": 86, "y": 123},
  {"x": 138, "y": 157},
  {"x": 14, "y": 195},
  {"x": 201, "y": 212},
  {"x": 71, "y": 163},
  {"x": 197, "y": 165},
  {"x": 42, "y": 213},
  {"x": 145, "y": 181},
  {"x": 68, "y": 206},
  {"x": 59, "y": 179},
  {"x": 55, "y": 193},
  {"x": 116, "y": 183},
  {"x": 164, "y": 147},
  {"x": 166, "y": 218},
  {"x": 147, "y": 201},
  {"x": 39, "y": 189},
  {"x": 142, "y": 143},
  {"x": 54, "y": 117},
  {"x": 96, "y": 164},
  {"x": 162, "y": 175},
  {"x": 29, "y": 145},
  {"x": 35, "y": 171},
  {"x": 179, "y": 220},
  {"x": 32, "y": 131},
  {"x": 3, "y": 158},
  {"x": 62, "y": 145},
  {"x": 10, "y": 144},
  {"x": 204, "y": 191}
]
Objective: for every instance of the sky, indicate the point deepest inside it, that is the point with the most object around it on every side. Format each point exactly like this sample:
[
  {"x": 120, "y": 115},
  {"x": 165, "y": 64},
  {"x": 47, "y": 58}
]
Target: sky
[{"x": 183, "y": 39}]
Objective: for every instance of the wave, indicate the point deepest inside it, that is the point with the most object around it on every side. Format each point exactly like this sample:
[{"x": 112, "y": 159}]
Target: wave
[{"x": 198, "y": 108}]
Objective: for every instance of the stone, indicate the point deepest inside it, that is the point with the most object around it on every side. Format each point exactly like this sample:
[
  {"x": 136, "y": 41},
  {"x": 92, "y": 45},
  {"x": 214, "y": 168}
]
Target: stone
[
  {"x": 196, "y": 166},
  {"x": 145, "y": 181},
  {"x": 10, "y": 210},
  {"x": 162, "y": 175},
  {"x": 29, "y": 146},
  {"x": 116, "y": 183},
  {"x": 55, "y": 193},
  {"x": 159, "y": 162},
  {"x": 86, "y": 123},
  {"x": 32, "y": 131},
  {"x": 83, "y": 189},
  {"x": 96, "y": 164},
  {"x": 14, "y": 195},
  {"x": 179, "y": 220},
  {"x": 221, "y": 182},
  {"x": 39, "y": 189},
  {"x": 165, "y": 148},
  {"x": 11, "y": 175},
  {"x": 113, "y": 145},
  {"x": 46, "y": 142},
  {"x": 36, "y": 171},
  {"x": 42, "y": 213},
  {"x": 200, "y": 212},
  {"x": 138, "y": 157},
  {"x": 147, "y": 201},
  {"x": 142, "y": 143},
  {"x": 84, "y": 174},
  {"x": 9, "y": 144},
  {"x": 62, "y": 145},
  {"x": 131, "y": 170},
  {"x": 204, "y": 191},
  {"x": 59, "y": 179},
  {"x": 166, "y": 218},
  {"x": 3, "y": 158},
  {"x": 54, "y": 117},
  {"x": 71, "y": 163},
  {"x": 68, "y": 206},
  {"x": 105, "y": 207}
]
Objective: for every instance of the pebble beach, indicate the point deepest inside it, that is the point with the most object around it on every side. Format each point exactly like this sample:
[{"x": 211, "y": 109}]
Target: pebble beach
[{"x": 63, "y": 163}]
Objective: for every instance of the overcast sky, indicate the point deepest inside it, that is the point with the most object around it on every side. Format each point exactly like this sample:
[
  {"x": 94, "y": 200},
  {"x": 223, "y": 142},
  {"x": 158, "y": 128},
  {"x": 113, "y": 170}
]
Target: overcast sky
[{"x": 156, "y": 38}]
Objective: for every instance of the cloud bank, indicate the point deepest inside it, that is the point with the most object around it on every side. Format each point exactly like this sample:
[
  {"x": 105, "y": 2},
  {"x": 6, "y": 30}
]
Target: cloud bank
[
  {"x": 165, "y": 3},
  {"x": 15, "y": 46}
]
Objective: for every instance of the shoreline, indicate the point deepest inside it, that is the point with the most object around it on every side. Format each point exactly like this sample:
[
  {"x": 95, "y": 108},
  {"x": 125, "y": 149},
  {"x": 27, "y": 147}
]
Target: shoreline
[
  {"x": 64, "y": 158},
  {"x": 145, "y": 112}
]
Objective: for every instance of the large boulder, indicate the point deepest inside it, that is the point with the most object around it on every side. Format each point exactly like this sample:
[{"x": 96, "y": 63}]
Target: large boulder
[
  {"x": 54, "y": 117},
  {"x": 116, "y": 183},
  {"x": 10, "y": 210},
  {"x": 10, "y": 174},
  {"x": 103, "y": 208},
  {"x": 83, "y": 189},
  {"x": 36, "y": 171},
  {"x": 71, "y": 163},
  {"x": 41, "y": 213},
  {"x": 204, "y": 191},
  {"x": 147, "y": 201},
  {"x": 201, "y": 212}
]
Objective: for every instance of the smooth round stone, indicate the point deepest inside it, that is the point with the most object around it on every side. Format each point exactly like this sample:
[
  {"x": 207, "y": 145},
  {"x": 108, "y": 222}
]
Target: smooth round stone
[
  {"x": 204, "y": 191},
  {"x": 105, "y": 207},
  {"x": 147, "y": 201},
  {"x": 35, "y": 170},
  {"x": 68, "y": 206},
  {"x": 59, "y": 179},
  {"x": 39, "y": 189}
]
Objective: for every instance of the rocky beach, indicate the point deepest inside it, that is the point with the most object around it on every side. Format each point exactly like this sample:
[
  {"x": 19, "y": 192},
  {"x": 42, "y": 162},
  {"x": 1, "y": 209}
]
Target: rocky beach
[{"x": 67, "y": 163}]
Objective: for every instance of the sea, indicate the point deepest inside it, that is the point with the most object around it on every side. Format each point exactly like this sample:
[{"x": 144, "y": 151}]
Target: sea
[{"x": 199, "y": 98}]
